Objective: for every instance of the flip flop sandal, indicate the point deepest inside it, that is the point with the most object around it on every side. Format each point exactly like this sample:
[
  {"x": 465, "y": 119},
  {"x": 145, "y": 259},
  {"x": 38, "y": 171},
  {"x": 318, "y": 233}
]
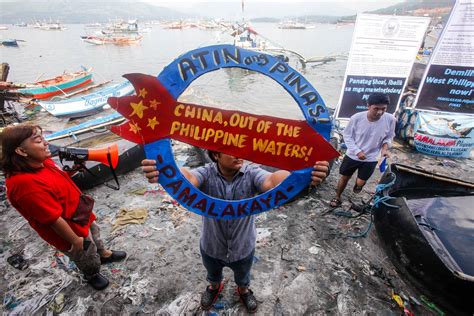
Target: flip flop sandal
[
  {"x": 17, "y": 262},
  {"x": 357, "y": 189},
  {"x": 335, "y": 203}
]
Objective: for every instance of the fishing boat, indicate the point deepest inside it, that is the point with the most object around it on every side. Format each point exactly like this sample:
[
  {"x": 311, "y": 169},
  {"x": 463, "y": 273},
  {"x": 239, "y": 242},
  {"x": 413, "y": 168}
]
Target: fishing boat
[
  {"x": 60, "y": 84},
  {"x": 426, "y": 224},
  {"x": 120, "y": 26},
  {"x": 245, "y": 36},
  {"x": 87, "y": 104},
  {"x": 96, "y": 124},
  {"x": 291, "y": 25},
  {"x": 9, "y": 42},
  {"x": 111, "y": 39},
  {"x": 52, "y": 26}
]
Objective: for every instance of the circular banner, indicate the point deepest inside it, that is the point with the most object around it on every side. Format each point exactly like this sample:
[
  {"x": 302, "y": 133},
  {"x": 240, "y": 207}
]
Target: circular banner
[{"x": 155, "y": 116}]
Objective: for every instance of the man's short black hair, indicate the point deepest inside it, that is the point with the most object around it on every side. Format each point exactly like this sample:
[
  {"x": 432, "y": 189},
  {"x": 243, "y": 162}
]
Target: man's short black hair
[
  {"x": 378, "y": 98},
  {"x": 211, "y": 154}
]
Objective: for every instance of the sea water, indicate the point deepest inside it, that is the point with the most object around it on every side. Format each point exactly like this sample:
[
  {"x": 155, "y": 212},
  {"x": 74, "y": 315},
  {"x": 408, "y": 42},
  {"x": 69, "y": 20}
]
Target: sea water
[{"x": 45, "y": 54}]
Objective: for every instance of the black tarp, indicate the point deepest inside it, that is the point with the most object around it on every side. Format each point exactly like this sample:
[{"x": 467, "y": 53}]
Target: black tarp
[{"x": 448, "y": 224}]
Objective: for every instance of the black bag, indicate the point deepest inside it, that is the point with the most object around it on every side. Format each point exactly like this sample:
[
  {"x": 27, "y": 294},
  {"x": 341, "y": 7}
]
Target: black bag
[{"x": 83, "y": 211}]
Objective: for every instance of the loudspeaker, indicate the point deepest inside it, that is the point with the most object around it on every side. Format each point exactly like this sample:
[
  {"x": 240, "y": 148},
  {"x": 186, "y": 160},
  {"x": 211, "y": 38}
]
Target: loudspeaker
[{"x": 108, "y": 155}]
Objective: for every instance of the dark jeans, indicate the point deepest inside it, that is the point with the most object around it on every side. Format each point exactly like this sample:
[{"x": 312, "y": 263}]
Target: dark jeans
[
  {"x": 88, "y": 261},
  {"x": 241, "y": 269}
]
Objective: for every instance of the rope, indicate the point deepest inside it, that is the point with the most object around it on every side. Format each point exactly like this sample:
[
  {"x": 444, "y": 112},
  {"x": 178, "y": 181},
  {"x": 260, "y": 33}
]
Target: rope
[{"x": 378, "y": 199}]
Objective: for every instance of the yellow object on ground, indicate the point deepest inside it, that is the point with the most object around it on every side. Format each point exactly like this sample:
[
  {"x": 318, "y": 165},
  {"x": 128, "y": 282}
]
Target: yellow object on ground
[{"x": 130, "y": 216}]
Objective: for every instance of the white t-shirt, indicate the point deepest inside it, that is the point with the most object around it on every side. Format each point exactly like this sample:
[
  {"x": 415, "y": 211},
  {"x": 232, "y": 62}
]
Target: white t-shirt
[{"x": 369, "y": 137}]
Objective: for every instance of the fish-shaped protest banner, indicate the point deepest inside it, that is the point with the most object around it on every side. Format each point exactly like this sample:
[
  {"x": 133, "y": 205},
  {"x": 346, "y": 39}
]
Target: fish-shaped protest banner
[{"x": 154, "y": 116}]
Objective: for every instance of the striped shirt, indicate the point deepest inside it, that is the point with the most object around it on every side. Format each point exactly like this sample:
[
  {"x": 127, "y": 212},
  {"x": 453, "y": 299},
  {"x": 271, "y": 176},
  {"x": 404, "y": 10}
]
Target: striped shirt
[{"x": 229, "y": 240}]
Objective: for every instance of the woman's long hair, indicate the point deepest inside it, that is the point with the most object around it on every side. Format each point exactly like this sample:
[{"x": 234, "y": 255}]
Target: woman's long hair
[{"x": 12, "y": 137}]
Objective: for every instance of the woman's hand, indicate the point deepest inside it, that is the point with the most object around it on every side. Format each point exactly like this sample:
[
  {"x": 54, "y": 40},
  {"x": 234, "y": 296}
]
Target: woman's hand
[{"x": 77, "y": 246}]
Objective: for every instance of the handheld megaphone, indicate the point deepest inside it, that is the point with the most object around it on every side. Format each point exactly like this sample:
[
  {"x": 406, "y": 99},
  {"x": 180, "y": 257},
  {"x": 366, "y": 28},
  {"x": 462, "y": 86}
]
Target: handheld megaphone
[{"x": 109, "y": 156}]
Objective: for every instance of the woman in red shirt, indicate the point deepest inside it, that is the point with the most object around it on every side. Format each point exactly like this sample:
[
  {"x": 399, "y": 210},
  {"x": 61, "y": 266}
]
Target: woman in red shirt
[{"x": 51, "y": 203}]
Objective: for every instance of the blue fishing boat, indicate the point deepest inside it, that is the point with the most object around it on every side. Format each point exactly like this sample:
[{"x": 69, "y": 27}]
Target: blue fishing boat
[
  {"x": 87, "y": 104},
  {"x": 85, "y": 127},
  {"x": 9, "y": 42}
]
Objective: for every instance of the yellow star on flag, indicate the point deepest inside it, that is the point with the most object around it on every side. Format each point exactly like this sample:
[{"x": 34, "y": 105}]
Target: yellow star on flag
[
  {"x": 152, "y": 122},
  {"x": 142, "y": 93},
  {"x": 153, "y": 104},
  {"x": 134, "y": 128},
  {"x": 138, "y": 109}
]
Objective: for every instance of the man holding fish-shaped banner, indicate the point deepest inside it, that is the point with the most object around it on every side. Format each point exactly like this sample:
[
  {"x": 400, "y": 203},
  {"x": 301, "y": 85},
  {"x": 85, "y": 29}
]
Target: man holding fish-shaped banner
[{"x": 224, "y": 192}]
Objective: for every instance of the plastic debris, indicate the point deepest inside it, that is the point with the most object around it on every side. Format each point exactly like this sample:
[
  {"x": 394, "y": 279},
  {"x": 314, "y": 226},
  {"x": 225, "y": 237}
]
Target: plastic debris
[
  {"x": 57, "y": 305},
  {"x": 139, "y": 191},
  {"x": 18, "y": 262},
  {"x": 314, "y": 250},
  {"x": 401, "y": 304},
  {"x": 431, "y": 306},
  {"x": 10, "y": 301}
]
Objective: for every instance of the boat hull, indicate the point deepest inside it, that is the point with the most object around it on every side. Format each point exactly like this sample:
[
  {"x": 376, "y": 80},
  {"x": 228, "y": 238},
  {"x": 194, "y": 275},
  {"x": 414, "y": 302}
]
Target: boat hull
[
  {"x": 130, "y": 157},
  {"x": 47, "y": 91},
  {"x": 91, "y": 125},
  {"x": 88, "y": 104},
  {"x": 428, "y": 268},
  {"x": 9, "y": 43}
]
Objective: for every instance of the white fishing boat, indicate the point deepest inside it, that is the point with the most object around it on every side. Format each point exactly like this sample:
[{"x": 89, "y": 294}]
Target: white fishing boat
[
  {"x": 245, "y": 36},
  {"x": 87, "y": 104},
  {"x": 112, "y": 39},
  {"x": 292, "y": 25}
]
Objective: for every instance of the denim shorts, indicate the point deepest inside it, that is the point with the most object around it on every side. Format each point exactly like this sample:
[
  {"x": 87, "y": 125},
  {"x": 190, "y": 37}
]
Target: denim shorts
[{"x": 241, "y": 269}]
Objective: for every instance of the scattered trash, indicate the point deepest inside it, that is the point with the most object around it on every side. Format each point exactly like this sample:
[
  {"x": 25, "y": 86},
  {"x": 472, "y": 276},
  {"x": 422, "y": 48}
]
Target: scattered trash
[
  {"x": 57, "y": 305},
  {"x": 314, "y": 250},
  {"x": 18, "y": 262},
  {"x": 449, "y": 163},
  {"x": 414, "y": 300},
  {"x": 10, "y": 301},
  {"x": 63, "y": 262},
  {"x": 301, "y": 269},
  {"x": 130, "y": 216},
  {"x": 401, "y": 304},
  {"x": 263, "y": 233},
  {"x": 431, "y": 306},
  {"x": 255, "y": 259},
  {"x": 139, "y": 191}
]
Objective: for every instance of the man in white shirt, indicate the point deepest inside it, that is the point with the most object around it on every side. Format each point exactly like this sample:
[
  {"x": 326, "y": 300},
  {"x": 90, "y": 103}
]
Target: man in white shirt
[{"x": 367, "y": 134}]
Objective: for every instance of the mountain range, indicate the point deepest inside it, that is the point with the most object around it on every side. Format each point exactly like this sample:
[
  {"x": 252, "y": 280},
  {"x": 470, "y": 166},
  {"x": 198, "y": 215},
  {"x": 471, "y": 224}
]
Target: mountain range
[{"x": 86, "y": 11}]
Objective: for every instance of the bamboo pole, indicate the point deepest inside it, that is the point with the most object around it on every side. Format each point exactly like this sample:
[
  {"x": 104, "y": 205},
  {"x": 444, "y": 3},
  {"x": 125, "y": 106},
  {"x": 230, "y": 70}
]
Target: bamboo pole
[
  {"x": 5, "y": 68},
  {"x": 437, "y": 177}
]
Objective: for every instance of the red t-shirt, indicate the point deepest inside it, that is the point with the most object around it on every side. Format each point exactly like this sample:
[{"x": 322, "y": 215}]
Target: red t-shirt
[{"x": 42, "y": 197}]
